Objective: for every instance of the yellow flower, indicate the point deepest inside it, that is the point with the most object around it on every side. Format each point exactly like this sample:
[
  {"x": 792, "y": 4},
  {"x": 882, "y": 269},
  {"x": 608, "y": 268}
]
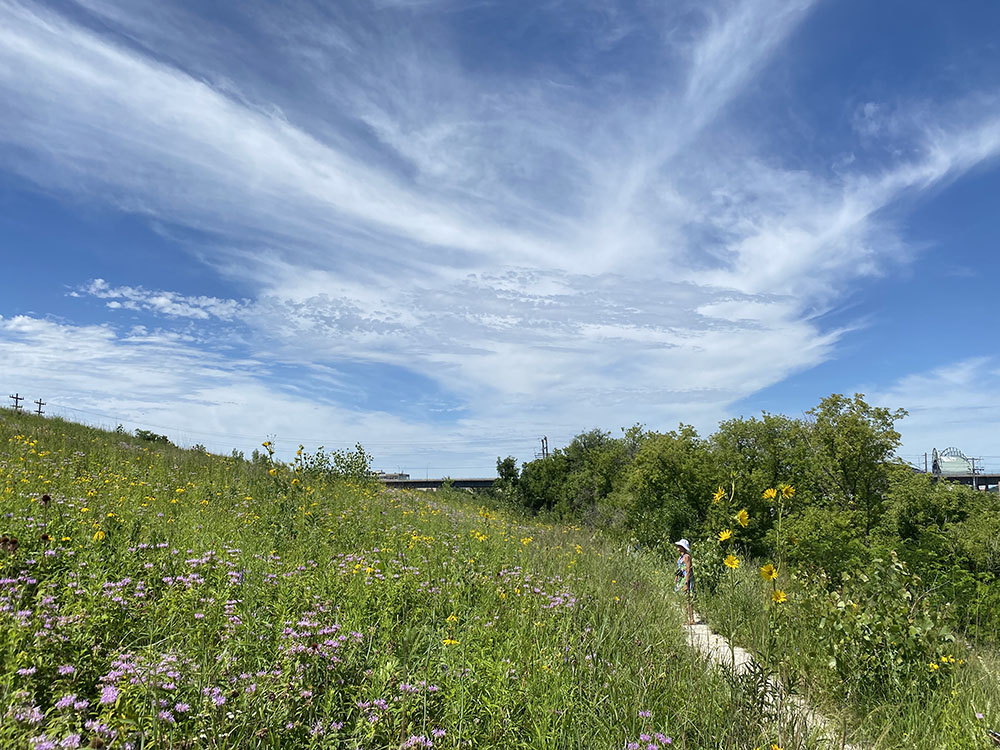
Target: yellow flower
[
  {"x": 719, "y": 494},
  {"x": 769, "y": 572},
  {"x": 725, "y": 535},
  {"x": 272, "y": 472},
  {"x": 787, "y": 491},
  {"x": 449, "y": 642},
  {"x": 778, "y": 596},
  {"x": 742, "y": 518},
  {"x": 452, "y": 618},
  {"x": 85, "y": 510},
  {"x": 732, "y": 561},
  {"x": 98, "y": 535},
  {"x": 770, "y": 493},
  {"x": 933, "y": 667}
]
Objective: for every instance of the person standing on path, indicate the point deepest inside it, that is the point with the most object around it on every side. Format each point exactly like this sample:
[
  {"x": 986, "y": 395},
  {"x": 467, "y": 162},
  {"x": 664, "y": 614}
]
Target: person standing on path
[{"x": 684, "y": 577}]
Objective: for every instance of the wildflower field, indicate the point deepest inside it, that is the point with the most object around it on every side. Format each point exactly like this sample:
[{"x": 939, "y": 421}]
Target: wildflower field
[{"x": 154, "y": 597}]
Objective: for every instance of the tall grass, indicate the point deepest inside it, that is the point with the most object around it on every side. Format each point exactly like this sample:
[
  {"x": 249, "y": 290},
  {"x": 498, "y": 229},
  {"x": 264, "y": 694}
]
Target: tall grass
[
  {"x": 173, "y": 599},
  {"x": 867, "y": 656}
]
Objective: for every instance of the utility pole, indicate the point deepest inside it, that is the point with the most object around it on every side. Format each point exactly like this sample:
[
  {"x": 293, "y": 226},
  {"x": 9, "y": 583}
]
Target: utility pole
[
  {"x": 925, "y": 462},
  {"x": 40, "y": 405},
  {"x": 545, "y": 447},
  {"x": 17, "y": 398}
]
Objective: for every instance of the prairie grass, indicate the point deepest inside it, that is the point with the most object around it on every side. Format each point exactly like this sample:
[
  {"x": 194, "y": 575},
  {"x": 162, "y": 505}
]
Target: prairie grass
[
  {"x": 162, "y": 598},
  {"x": 948, "y": 700}
]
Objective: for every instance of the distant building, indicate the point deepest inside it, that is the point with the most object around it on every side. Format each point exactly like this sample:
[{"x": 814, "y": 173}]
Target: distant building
[
  {"x": 381, "y": 475},
  {"x": 954, "y": 466},
  {"x": 951, "y": 462}
]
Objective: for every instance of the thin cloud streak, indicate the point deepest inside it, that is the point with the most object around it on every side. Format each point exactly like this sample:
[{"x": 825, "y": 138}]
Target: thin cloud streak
[
  {"x": 957, "y": 404},
  {"x": 531, "y": 246}
]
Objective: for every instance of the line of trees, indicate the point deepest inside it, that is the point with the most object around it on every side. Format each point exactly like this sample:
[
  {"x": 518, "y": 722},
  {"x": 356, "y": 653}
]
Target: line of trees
[{"x": 850, "y": 499}]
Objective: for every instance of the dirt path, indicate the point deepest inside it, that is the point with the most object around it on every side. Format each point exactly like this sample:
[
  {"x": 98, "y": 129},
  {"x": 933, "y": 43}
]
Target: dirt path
[{"x": 808, "y": 722}]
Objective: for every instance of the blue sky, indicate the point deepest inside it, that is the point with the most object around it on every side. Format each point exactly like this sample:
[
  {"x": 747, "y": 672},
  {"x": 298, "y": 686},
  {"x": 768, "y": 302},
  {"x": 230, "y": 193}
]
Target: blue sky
[{"x": 444, "y": 229}]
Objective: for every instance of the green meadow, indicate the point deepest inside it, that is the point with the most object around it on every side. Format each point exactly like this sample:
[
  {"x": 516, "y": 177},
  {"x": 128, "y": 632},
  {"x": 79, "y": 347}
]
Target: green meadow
[{"x": 153, "y": 597}]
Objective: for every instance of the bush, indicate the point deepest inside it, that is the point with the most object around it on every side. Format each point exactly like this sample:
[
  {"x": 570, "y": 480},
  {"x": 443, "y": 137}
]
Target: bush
[
  {"x": 152, "y": 437},
  {"x": 877, "y": 634}
]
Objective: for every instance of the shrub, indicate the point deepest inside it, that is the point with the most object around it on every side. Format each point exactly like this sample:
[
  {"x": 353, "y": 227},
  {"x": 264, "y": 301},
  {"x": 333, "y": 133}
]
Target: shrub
[
  {"x": 877, "y": 634},
  {"x": 152, "y": 437}
]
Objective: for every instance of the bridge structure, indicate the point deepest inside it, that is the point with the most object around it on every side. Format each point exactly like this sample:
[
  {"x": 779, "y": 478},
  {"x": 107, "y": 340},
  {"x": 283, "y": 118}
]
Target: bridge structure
[
  {"x": 477, "y": 483},
  {"x": 978, "y": 481},
  {"x": 954, "y": 466}
]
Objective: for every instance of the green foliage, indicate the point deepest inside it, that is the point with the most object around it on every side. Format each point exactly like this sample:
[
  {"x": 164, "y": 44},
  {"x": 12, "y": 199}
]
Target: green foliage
[
  {"x": 750, "y": 456},
  {"x": 878, "y": 633},
  {"x": 542, "y": 482},
  {"x": 667, "y": 483},
  {"x": 346, "y": 465},
  {"x": 852, "y": 444},
  {"x": 152, "y": 437},
  {"x": 226, "y": 604},
  {"x": 507, "y": 477},
  {"x": 827, "y": 539}
]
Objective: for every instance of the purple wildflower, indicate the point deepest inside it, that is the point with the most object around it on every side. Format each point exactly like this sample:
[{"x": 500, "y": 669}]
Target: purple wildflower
[
  {"x": 66, "y": 701},
  {"x": 109, "y": 695}
]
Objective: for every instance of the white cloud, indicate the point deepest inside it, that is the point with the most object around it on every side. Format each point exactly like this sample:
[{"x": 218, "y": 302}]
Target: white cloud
[
  {"x": 170, "y": 304},
  {"x": 957, "y": 404},
  {"x": 156, "y": 380},
  {"x": 553, "y": 255}
]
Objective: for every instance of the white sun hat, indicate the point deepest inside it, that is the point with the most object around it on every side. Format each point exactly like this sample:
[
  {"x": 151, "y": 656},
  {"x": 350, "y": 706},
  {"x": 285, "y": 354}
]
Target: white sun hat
[{"x": 683, "y": 544}]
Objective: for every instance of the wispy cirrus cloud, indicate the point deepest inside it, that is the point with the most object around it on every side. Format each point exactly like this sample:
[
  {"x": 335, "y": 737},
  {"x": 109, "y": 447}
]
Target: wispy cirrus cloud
[
  {"x": 170, "y": 304},
  {"x": 957, "y": 404},
  {"x": 531, "y": 239}
]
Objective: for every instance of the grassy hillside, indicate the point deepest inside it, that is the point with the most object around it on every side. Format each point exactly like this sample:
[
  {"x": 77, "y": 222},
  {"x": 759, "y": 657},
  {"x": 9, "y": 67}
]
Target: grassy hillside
[{"x": 164, "y": 598}]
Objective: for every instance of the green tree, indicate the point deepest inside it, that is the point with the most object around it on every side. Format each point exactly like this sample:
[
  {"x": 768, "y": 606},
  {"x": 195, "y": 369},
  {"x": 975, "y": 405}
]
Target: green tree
[
  {"x": 852, "y": 444},
  {"x": 542, "y": 482},
  {"x": 669, "y": 485},
  {"x": 750, "y": 456},
  {"x": 507, "y": 477}
]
